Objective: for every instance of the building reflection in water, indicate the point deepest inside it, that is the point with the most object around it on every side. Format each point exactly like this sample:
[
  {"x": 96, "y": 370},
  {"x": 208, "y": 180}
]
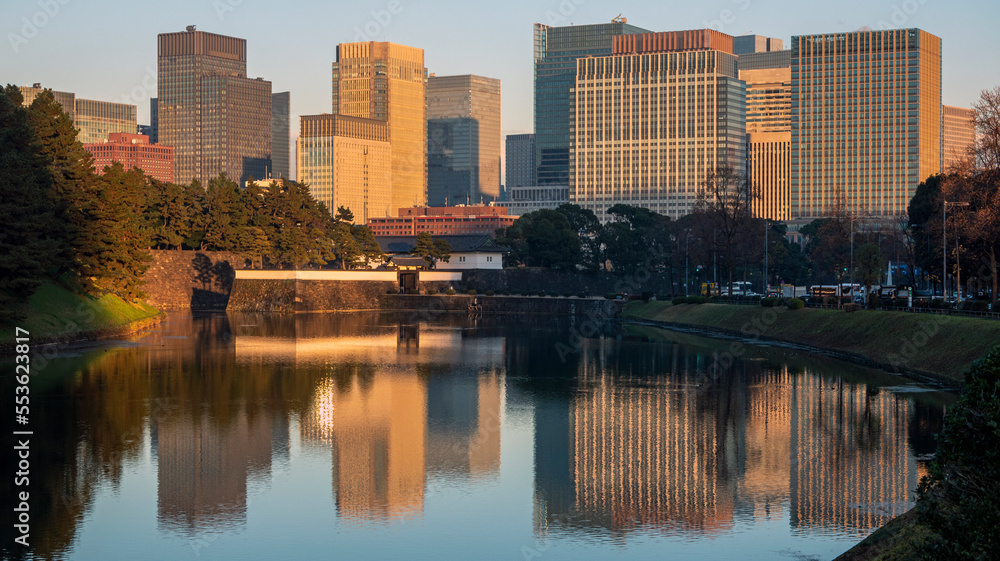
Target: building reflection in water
[
  {"x": 676, "y": 451},
  {"x": 396, "y": 404}
]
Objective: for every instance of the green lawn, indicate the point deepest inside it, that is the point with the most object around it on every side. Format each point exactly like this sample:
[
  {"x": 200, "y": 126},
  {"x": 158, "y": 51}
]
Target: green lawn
[
  {"x": 54, "y": 312},
  {"x": 937, "y": 345}
]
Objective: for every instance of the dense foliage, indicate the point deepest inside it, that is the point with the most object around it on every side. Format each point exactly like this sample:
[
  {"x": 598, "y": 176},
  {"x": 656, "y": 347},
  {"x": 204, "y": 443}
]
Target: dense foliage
[{"x": 958, "y": 500}]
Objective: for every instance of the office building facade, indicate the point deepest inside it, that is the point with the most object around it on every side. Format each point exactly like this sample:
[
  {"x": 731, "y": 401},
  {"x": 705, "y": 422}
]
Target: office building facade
[
  {"x": 866, "y": 120},
  {"x": 281, "y": 106},
  {"x": 556, "y": 50},
  {"x": 958, "y": 135},
  {"x": 217, "y": 119},
  {"x": 529, "y": 198},
  {"x": 346, "y": 161},
  {"x": 95, "y": 120},
  {"x": 134, "y": 151},
  {"x": 520, "y": 161},
  {"x": 463, "y": 140},
  {"x": 386, "y": 82},
  {"x": 768, "y": 76},
  {"x": 442, "y": 221},
  {"x": 649, "y": 122}
]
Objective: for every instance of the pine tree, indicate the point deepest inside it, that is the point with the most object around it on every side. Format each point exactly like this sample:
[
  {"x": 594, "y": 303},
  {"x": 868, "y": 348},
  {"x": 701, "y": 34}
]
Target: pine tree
[{"x": 30, "y": 240}]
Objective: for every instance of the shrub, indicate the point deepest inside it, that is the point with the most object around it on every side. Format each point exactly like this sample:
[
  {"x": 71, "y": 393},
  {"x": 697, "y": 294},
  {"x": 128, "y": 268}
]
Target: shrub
[
  {"x": 959, "y": 497},
  {"x": 450, "y": 292},
  {"x": 796, "y": 304},
  {"x": 472, "y": 292},
  {"x": 581, "y": 294},
  {"x": 646, "y": 296},
  {"x": 390, "y": 292},
  {"x": 768, "y": 302},
  {"x": 611, "y": 295},
  {"x": 541, "y": 293},
  {"x": 679, "y": 300},
  {"x": 490, "y": 293},
  {"x": 852, "y": 307},
  {"x": 431, "y": 291}
]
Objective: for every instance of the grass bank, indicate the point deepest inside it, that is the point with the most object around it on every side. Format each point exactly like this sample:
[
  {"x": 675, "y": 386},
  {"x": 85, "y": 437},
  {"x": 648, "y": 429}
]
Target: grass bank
[
  {"x": 900, "y": 539},
  {"x": 54, "y": 314},
  {"x": 936, "y": 346}
]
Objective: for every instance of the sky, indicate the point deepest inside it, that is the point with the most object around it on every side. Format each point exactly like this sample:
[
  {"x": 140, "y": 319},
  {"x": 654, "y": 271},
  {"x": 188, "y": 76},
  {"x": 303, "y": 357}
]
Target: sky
[{"x": 106, "y": 49}]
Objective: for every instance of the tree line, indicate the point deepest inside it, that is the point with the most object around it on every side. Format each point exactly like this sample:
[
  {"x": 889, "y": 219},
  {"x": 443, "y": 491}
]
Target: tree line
[{"x": 94, "y": 232}]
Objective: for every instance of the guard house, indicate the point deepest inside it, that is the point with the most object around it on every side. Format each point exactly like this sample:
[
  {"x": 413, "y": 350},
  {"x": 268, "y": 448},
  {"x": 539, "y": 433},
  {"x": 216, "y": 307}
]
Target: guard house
[{"x": 467, "y": 252}]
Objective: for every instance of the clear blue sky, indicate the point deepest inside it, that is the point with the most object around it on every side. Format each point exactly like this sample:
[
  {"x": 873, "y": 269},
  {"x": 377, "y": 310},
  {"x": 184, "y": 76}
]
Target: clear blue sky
[{"x": 106, "y": 49}]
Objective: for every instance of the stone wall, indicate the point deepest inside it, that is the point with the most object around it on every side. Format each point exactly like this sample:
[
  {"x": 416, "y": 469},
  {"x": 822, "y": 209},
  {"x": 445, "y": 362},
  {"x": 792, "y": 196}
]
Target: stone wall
[
  {"x": 199, "y": 280},
  {"x": 564, "y": 282}
]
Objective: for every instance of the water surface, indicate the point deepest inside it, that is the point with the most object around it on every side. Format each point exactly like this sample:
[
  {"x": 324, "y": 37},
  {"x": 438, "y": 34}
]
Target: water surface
[{"x": 375, "y": 436}]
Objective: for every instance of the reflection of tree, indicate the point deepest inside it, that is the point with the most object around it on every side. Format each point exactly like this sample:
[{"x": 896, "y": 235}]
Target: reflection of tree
[{"x": 868, "y": 429}]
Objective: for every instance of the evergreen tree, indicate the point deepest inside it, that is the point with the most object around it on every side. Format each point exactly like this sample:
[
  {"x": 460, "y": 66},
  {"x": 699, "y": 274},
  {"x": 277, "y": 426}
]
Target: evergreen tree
[
  {"x": 225, "y": 215},
  {"x": 30, "y": 240}
]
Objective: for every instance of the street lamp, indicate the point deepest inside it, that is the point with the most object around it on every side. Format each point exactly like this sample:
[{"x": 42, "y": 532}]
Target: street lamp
[{"x": 944, "y": 245}]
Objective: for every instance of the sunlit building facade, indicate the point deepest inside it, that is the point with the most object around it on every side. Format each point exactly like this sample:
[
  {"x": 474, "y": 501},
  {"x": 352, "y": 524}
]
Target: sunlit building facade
[
  {"x": 866, "y": 120},
  {"x": 134, "y": 151},
  {"x": 217, "y": 119},
  {"x": 346, "y": 161},
  {"x": 768, "y": 76},
  {"x": 95, "y": 120},
  {"x": 386, "y": 82},
  {"x": 958, "y": 134},
  {"x": 649, "y": 122}
]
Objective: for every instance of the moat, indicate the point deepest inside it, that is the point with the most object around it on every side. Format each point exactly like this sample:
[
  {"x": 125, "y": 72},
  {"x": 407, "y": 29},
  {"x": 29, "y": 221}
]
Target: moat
[{"x": 422, "y": 436}]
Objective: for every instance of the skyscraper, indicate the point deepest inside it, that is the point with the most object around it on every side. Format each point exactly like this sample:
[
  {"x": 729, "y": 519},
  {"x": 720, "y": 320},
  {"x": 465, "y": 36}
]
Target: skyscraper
[
  {"x": 95, "y": 120},
  {"x": 768, "y": 76},
  {"x": 280, "y": 109},
  {"x": 556, "y": 52},
  {"x": 958, "y": 134},
  {"x": 346, "y": 161},
  {"x": 217, "y": 119},
  {"x": 651, "y": 120},
  {"x": 520, "y": 161},
  {"x": 463, "y": 140},
  {"x": 386, "y": 82},
  {"x": 866, "y": 120}
]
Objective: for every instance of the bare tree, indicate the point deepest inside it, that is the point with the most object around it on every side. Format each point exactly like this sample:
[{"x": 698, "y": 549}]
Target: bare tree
[{"x": 726, "y": 201}]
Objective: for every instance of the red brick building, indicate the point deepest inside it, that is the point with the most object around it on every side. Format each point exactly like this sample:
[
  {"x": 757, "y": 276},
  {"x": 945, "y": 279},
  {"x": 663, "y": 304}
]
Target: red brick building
[
  {"x": 134, "y": 150},
  {"x": 443, "y": 221}
]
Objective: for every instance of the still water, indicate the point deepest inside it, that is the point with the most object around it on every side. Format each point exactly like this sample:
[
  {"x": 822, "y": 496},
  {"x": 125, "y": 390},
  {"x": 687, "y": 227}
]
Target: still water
[{"x": 384, "y": 437}]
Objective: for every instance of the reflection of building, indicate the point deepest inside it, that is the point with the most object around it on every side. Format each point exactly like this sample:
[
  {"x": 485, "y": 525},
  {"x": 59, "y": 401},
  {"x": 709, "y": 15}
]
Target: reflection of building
[
  {"x": 203, "y": 466},
  {"x": 463, "y": 425},
  {"x": 647, "y": 458},
  {"x": 376, "y": 425},
  {"x": 768, "y": 443},
  {"x": 463, "y": 140},
  {"x": 851, "y": 467}
]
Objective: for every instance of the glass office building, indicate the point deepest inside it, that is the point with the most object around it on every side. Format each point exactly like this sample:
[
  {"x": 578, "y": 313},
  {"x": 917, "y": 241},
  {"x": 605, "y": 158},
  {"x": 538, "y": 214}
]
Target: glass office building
[
  {"x": 556, "y": 50},
  {"x": 866, "y": 120}
]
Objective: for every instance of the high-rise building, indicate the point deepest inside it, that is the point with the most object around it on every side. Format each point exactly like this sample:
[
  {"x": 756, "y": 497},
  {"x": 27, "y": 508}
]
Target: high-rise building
[
  {"x": 520, "y": 161},
  {"x": 134, "y": 151},
  {"x": 958, "y": 134},
  {"x": 346, "y": 161},
  {"x": 95, "y": 120},
  {"x": 556, "y": 50},
  {"x": 866, "y": 120},
  {"x": 650, "y": 121},
  {"x": 154, "y": 121},
  {"x": 463, "y": 140},
  {"x": 386, "y": 82},
  {"x": 217, "y": 119},
  {"x": 280, "y": 110},
  {"x": 768, "y": 76}
]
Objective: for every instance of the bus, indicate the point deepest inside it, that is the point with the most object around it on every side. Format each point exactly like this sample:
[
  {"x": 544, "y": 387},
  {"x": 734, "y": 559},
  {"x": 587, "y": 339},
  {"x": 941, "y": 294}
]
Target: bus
[{"x": 740, "y": 288}]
